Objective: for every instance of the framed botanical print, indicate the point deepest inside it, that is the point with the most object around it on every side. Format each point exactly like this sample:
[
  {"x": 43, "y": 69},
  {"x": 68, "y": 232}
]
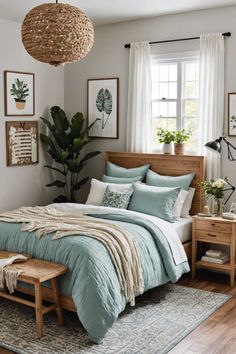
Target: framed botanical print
[
  {"x": 103, "y": 108},
  {"x": 19, "y": 93},
  {"x": 22, "y": 143},
  {"x": 232, "y": 114}
]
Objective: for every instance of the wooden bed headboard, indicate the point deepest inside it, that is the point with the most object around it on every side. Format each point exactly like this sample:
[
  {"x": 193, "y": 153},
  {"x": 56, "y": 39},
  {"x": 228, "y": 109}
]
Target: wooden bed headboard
[{"x": 171, "y": 165}]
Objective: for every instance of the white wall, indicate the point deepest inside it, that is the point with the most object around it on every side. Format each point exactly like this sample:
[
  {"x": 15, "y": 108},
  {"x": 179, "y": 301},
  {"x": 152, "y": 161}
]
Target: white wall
[
  {"x": 109, "y": 58},
  {"x": 25, "y": 185}
]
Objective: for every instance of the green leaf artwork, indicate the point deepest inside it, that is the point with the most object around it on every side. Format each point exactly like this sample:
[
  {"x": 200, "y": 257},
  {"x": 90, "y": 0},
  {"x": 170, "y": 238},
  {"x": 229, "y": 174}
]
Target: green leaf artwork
[
  {"x": 233, "y": 121},
  {"x": 104, "y": 105},
  {"x": 19, "y": 90}
]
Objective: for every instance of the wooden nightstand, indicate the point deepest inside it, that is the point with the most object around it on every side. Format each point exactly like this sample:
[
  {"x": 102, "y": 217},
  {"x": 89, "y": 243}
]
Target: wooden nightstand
[{"x": 214, "y": 230}]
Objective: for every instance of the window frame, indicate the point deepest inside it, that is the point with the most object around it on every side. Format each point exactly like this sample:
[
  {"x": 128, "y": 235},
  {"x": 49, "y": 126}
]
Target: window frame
[{"x": 177, "y": 58}]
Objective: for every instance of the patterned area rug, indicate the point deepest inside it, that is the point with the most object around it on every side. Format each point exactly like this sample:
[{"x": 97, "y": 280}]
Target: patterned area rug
[{"x": 162, "y": 318}]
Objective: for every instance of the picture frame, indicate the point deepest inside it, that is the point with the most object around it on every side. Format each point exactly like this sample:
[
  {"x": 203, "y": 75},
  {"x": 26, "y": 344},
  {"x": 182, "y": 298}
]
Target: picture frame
[
  {"x": 233, "y": 208},
  {"x": 232, "y": 114},
  {"x": 22, "y": 143},
  {"x": 19, "y": 92},
  {"x": 103, "y": 106}
]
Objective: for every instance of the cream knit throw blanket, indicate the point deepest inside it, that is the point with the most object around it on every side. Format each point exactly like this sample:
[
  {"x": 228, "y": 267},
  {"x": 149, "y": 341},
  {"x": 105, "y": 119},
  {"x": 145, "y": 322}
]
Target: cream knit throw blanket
[
  {"x": 120, "y": 244},
  {"x": 9, "y": 276}
]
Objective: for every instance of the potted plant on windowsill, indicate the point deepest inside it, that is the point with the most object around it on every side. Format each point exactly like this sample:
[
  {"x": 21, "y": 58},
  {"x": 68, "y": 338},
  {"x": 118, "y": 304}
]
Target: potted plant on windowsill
[
  {"x": 180, "y": 137},
  {"x": 166, "y": 137}
]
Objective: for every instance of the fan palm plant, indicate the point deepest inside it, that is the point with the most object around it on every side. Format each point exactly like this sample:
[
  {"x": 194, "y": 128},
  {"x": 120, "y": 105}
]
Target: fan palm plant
[{"x": 65, "y": 144}]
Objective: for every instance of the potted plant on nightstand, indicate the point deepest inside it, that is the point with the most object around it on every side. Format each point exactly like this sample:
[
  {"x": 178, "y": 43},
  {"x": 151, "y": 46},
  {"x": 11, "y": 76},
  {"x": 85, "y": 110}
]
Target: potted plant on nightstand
[
  {"x": 166, "y": 137},
  {"x": 180, "y": 137}
]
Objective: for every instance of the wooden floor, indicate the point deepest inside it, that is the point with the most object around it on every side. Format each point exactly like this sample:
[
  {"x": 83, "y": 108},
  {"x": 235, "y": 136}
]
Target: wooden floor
[{"x": 216, "y": 335}]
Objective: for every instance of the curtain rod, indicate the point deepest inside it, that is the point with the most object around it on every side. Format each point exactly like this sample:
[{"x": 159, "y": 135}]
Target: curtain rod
[{"x": 225, "y": 34}]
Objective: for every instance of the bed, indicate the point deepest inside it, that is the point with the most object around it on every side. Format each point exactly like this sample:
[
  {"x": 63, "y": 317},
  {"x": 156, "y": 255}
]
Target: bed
[
  {"x": 171, "y": 165},
  {"x": 76, "y": 251}
]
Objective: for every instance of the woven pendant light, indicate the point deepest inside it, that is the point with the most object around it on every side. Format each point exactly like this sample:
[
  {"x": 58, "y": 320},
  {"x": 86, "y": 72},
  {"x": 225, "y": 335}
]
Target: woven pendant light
[{"x": 57, "y": 33}]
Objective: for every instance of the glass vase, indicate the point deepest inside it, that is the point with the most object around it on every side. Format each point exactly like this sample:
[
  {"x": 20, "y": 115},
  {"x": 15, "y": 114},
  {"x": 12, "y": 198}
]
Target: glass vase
[{"x": 219, "y": 206}]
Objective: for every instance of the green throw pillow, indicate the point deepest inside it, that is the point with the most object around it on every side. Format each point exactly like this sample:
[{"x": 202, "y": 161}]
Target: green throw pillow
[
  {"x": 154, "y": 179},
  {"x": 114, "y": 170},
  {"x": 114, "y": 199},
  {"x": 121, "y": 180},
  {"x": 147, "y": 200}
]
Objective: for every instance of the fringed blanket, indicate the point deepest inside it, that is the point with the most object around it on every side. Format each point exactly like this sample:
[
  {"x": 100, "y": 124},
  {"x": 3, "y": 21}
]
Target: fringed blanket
[
  {"x": 9, "y": 276},
  {"x": 121, "y": 244}
]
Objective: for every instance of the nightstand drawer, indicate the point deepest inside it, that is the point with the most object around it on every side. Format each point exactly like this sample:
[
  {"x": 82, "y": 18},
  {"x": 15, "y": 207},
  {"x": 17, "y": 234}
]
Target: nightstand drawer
[
  {"x": 211, "y": 236},
  {"x": 213, "y": 226}
]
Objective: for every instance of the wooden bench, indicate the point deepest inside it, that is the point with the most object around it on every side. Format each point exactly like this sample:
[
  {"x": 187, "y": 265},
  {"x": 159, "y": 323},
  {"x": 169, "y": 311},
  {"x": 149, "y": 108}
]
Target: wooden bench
[{"x": 36, "y": 272}]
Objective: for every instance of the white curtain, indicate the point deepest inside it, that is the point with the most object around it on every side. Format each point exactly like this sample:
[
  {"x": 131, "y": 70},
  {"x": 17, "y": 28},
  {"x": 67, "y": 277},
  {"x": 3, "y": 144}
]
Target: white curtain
[
  {"x": 139, "y": 120},
  {"x": 211, "y": 104}
]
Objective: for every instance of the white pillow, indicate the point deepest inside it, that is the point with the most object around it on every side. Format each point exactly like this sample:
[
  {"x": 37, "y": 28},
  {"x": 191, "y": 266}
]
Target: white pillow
[
  {"x": 98, "y": 188},
  {"x": 179, "y": 204},
  {"x": 187, "y": 203}
]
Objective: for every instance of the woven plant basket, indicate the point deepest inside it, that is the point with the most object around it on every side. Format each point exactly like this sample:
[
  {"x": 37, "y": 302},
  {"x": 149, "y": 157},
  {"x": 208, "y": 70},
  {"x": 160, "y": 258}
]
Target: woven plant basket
[
  {"x": 57, "y": 33},
  {"x": 179, "y": 148}
]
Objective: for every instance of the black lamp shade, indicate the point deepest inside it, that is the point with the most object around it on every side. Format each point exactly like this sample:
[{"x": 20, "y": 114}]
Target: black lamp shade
[{"x": 214, "y": 146}]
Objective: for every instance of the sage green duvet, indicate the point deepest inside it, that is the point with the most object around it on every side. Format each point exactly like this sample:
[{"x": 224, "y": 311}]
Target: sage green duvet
[{"x": 92, "y": 281}]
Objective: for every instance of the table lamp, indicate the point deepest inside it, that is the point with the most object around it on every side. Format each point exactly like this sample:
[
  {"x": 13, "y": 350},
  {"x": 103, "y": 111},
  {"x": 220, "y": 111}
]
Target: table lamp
[{"x": 215, "y": 146}]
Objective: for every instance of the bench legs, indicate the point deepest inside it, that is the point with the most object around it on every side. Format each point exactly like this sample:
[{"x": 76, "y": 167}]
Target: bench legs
[
  {"x": 57, "y": 301},
  {"x": 38, "y": 310}
]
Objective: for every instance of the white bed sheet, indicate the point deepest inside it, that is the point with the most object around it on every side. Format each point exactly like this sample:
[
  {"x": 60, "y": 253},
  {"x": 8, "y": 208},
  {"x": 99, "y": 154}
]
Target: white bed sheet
[{"x": 183, "y": 227}]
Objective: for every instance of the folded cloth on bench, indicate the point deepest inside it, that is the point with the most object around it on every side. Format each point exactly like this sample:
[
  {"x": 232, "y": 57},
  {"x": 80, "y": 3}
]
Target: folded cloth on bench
[{"x": 9, "y": 276}]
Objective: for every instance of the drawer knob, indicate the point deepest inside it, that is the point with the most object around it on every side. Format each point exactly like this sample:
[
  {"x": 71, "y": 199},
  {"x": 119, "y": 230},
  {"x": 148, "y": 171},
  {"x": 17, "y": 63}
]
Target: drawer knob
[
  {"x": 213, "y": 224},
  {"x": 211, "y": 235}
]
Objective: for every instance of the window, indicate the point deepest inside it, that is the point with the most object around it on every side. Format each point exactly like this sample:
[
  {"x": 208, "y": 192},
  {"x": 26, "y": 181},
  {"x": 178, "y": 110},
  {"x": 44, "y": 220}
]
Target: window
[{"x": 175, "y": 86}]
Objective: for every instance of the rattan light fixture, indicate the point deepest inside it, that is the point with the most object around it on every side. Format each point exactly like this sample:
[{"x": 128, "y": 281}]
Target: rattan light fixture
[{"x": 57, "y": 33}]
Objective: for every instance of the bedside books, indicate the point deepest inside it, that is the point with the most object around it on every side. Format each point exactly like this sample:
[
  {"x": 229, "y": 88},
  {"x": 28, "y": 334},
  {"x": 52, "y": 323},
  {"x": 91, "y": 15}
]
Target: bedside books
[
  {"x": 215, "y": 260},
  {"x": 215, "y": 256},
  {"x": 214, "y": 253},
  {"x": 229, "y": 216}
]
